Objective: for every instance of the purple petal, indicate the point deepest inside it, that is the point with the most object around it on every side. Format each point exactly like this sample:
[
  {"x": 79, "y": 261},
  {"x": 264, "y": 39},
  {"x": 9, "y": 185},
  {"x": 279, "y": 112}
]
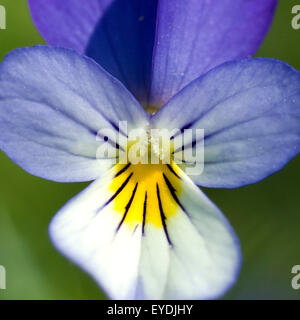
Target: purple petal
[
  {"x": 52, "y": 104},
  {"x": 67, "y": 23},
  {"x": 250, "y": 113},
  {"x": 196, "y": 35},
  {"x": 119, "y": 35},
  {"x": 191, "y": 37}
]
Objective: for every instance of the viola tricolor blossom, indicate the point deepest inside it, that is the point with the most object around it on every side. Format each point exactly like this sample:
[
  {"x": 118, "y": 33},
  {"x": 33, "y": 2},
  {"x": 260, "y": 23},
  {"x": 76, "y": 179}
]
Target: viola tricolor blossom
[{"x": 144, "y": 230}]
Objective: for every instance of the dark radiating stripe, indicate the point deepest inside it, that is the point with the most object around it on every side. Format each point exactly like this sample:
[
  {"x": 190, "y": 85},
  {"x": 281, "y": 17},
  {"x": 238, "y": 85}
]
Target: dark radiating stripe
[
  {"x": 111, "y": 142},
  {"x": 187, "y": 126},
  {"x": 172, "y": 170},
  {"x": 116, "y": 193},
  {"x": 144, "y": 214},
  {"x": 135, "y": 229},
  {"x": 180, "y": 149},
  {"x": 172, "y": 191},
  {"x": 127, "y": 207},
  {"x": 162, "y": 215},
  {"x": 116, "y": 127},
  {"x": 123, "y": 170}
]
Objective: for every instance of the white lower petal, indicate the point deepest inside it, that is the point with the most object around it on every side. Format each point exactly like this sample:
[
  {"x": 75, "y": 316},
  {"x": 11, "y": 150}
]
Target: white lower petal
[{"x": 194, "y": 255}]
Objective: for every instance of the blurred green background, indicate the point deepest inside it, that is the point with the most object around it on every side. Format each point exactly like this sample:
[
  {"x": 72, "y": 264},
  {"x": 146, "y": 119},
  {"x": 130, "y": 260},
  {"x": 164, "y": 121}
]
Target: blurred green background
[{"x": 266, "y": 216}]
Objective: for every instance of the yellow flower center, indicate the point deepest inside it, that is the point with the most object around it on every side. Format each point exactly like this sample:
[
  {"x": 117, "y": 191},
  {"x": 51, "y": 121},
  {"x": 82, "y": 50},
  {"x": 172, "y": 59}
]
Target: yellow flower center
[{"x": 146, "y": 194}]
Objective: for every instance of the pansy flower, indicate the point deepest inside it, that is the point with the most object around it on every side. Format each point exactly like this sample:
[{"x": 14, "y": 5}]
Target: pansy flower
[{"x": 144, "y": 230}]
